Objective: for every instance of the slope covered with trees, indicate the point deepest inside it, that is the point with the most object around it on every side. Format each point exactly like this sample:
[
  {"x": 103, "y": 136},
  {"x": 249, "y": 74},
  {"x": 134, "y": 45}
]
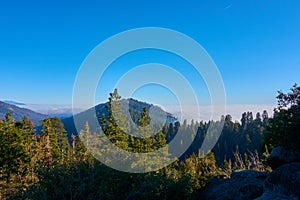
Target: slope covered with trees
[
  {"x": 55, "y": 165},
  {"x": 38, "y": 166},
  {"x": 135, "y": 108}
]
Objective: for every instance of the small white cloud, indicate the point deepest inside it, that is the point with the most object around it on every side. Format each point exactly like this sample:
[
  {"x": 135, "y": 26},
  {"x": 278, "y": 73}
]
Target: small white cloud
[{"x": 227, "y": 7}]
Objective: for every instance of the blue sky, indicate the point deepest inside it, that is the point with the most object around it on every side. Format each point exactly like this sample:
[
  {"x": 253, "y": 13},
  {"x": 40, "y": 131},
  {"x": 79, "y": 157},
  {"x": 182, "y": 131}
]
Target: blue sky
[{"x": 255, "y": 44}]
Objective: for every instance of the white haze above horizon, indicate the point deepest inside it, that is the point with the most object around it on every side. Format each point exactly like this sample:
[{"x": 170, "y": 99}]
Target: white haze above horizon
[{"x": 235, "y": 111}]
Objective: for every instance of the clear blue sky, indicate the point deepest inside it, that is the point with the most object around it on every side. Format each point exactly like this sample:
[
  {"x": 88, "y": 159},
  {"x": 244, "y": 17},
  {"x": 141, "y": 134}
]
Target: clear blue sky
[{"x": 254, "y": 43}]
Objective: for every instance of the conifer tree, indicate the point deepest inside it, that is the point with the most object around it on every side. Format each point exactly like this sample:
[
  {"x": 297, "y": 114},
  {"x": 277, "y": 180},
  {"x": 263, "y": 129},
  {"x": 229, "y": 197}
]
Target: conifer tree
[
  {"x": 143, "y": 143},
  {"x": 54, "y": 142},
  {"x": 12, "y": 152},
  {"x": 80, "y": 142},
  {"x": 115, "y": 126},
  {"x": 30, "y": 145}
]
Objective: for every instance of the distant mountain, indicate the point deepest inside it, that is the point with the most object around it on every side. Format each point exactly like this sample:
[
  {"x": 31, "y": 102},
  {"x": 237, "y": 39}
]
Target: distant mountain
[
  {"x": 14, "y": 103},
  {"x": 18, "y": 113},
  {"x": 135, "y": 109},
  {"x": 51, "y": 110},
  {"x": 60, "y": 115}
]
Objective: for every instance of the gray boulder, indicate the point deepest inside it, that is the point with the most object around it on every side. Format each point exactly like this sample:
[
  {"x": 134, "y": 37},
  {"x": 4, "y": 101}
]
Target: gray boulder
[
  {"x": 283, "y": 183},
  {"x": 279, "y": 156},
  {"x": 246, "y": 184}
]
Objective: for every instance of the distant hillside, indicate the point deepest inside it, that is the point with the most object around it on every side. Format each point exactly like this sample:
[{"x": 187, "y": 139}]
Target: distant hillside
[
  {"x": 135, "y": 109},
  {"x": 18, "y": 113}
]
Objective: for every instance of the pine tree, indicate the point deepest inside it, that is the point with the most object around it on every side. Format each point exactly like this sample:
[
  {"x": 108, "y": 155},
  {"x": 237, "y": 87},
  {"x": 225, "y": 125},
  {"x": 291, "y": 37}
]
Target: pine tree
[
  {"x": 54, "y": 142},
  {"x": 12, "y": 152},
  {"x": 80, "y": 144},
  {"x": 29, "y": 145},
  {"x": 116, "y": 126},
  {"x": 143, "y": 143}
]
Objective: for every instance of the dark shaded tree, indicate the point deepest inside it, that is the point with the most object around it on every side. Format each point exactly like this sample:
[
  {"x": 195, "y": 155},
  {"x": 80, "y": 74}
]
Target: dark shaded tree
[{"x": 284, "y": 127}]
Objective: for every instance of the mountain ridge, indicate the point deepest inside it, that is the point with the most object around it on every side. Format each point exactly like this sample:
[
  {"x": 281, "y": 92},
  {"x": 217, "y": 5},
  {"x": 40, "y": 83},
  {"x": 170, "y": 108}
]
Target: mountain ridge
[
  {"x": 18, "y": 113},
  {"x": 135, "y": 109}
]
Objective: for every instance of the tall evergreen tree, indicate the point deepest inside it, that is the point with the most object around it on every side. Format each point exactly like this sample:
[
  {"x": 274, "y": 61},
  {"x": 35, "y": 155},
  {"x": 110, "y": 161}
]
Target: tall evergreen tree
[
  {"x": 12, "y": 150},
  {"x": 116, "y": 125},
  {"x": 54, "y": 142}
]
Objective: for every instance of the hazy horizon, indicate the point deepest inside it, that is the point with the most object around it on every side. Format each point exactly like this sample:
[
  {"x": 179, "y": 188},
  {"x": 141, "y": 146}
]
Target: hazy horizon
[{"x": 235, "y": 110}]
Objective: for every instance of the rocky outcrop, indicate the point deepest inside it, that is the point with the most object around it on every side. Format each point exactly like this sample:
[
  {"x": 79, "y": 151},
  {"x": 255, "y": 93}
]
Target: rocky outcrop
[
  {"x": 279, "y": 156},
  {"x": 283, "y": 183},
  {"x": 243, "y": 185}
]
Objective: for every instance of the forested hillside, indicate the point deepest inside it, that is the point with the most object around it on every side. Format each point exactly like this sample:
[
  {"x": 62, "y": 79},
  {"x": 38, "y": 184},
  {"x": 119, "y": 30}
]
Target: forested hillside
[
  {"x": 135, "y": 109},
  {"x": 55, "y": 165},
  {"x": 244, "y": 136}
]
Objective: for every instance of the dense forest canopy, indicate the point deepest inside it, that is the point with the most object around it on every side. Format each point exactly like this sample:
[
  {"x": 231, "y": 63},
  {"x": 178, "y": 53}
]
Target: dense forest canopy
[{"x": 57, "y": 165}]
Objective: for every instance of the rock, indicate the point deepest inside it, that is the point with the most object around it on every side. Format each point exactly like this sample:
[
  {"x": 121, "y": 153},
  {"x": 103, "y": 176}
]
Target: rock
[
  {"x": 283, "y": 183},
  {"x": 268, "y": 195},
  {"x": 279, "y": 156},
  {"x": 246, "y": 184}
]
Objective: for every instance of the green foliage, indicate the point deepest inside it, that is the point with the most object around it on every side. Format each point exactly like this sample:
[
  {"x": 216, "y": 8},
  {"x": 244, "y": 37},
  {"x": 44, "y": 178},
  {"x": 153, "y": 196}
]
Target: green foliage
[
  {"x": 115, "y": 126},
  {"x": 53, "y": 166},
  {"x": 145, "y": 142},
  {"x": 17, "y": 155},
  {"x": 92, "y": 180},
  {"x": 54, "y": 143},
  {"x": 284, "y": 127},
  {"x": 247, "y": 135},
  {"x": 14, "y": 156},
  {"x": 200, "y": 168}
]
